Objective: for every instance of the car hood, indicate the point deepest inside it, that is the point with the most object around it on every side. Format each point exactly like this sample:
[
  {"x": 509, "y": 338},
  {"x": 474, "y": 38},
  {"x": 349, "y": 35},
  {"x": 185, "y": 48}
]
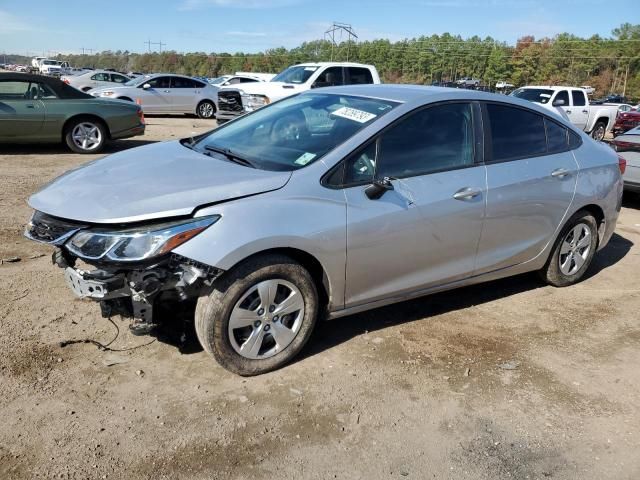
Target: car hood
[
  {"x": 273, "y": 90},
  {"x": 155, "y": 181}
]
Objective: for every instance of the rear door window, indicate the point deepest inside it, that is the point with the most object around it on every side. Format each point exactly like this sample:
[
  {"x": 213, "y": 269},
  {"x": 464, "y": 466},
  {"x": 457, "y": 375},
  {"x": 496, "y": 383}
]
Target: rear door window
[
  {"x": 179, "y": 82},
  {"x": 14, "y": 90},
  {"x": 515, "y": 133},
  {"x": 357, "y": 76},
  {"x": 578, "y": 98},
  {"x": 119, "y": 78},
  {"x": 101, "y": 77}
]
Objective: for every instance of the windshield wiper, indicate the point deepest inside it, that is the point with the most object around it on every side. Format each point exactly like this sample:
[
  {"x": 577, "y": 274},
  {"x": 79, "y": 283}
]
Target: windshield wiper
[{"x": 234, "y": 157}]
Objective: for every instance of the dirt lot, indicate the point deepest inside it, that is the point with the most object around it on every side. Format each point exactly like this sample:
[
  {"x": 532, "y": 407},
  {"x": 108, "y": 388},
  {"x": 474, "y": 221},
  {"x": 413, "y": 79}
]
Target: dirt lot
[{"x": 507, "y": 380}]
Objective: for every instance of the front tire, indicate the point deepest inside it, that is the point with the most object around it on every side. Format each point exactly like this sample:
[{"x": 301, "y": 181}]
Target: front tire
[
  {"x": 259, "y": 315},
  {"x": 85, "y": 135},
  {"x": 206, "y": 109},
  {"x": 573, "y": 251}
]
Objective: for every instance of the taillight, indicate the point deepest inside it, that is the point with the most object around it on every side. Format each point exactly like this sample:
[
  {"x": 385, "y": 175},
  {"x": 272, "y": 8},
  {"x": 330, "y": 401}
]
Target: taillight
[
  {"x": 66, "y": 80},
  {"x": 141, "y": 115},
  {"x": 622, "y": 164}
]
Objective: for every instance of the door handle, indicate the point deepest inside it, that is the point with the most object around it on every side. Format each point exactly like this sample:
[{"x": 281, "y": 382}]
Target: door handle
[
  {"x": 466, "y": 193},
  {"x": 585, "y": 111},
  {"x": 568, "y": 111},
  {"x": 31, "y": 105},
  {"x": 167, "y": 91},
  {"x": 560, "y": 173}
]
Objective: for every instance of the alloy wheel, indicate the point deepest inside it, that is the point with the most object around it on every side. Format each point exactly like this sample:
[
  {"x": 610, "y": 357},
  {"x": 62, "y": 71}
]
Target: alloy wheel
[
  {"x": 266, "y": 319},
  {"x": 86, "y": 136},
  {"x": 205, "y": 110},
  {"x": 598, "y": 133},
  {"x": 575, "y": 249}
]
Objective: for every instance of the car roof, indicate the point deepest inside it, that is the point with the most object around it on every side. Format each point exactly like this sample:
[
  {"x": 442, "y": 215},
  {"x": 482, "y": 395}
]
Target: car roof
[
  {"x": 336, "y": 64},
  {"x": 416, "y": 95},
  {"x": 61, "y": 89},
  {"x": 554, "y": 87}
]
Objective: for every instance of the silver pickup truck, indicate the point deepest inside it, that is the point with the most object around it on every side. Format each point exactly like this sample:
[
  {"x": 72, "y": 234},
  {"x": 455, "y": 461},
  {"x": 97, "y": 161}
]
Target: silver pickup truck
[{"x": 572, "y": 103}]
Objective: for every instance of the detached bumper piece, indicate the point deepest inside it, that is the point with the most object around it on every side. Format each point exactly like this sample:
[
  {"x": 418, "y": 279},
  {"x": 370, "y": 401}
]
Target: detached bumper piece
[{"x": 132, "y": 292}]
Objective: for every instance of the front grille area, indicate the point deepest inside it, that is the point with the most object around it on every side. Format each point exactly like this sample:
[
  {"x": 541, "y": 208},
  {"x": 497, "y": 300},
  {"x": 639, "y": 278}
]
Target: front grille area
[
  {"x": 46, "y": 229},
  {"x": 229, "y": 101}
]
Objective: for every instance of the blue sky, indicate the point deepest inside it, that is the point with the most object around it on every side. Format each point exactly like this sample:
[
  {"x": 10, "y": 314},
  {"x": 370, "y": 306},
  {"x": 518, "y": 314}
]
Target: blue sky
[{"x": 36, "y": 26}]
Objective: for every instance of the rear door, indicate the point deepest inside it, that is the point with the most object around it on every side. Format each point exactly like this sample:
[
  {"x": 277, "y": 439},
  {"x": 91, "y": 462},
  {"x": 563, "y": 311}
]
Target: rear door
[
  {"x": 22, "y": 112},
  {"x": 185, "y": 93},
  {"x": 331, "y": 77},
  {"x": 579, "y": 111},
  {"x": 531, "y": 177},
  {"x": 425, "y": 231}
]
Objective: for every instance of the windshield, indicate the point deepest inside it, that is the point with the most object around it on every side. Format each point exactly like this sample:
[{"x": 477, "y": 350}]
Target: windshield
[
  {"x": 538, "y": 95},
  {"x": 219, "y": 80},
  {"x": 298, "y": 74},
  {"x": 296, "y": 131},
  {"x": 49, "y": 62}
]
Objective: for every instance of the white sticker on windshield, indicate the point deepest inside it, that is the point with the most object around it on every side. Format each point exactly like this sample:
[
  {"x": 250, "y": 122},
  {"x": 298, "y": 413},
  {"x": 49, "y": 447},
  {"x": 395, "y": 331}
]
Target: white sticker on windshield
[
  {"x": 305, "y": 158},
  {"x": 354, "y": 114}
]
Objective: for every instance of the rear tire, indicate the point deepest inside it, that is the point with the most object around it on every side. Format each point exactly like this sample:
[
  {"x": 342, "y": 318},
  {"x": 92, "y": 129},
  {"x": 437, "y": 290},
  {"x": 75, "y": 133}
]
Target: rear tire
[
  {"x": 573, "y": 251},
  {"x": 85, "y": 135},
  {"x": 254, "y": 293},
  {"x": 599, "y": 131},
  {"x": 206, "y": 109}
]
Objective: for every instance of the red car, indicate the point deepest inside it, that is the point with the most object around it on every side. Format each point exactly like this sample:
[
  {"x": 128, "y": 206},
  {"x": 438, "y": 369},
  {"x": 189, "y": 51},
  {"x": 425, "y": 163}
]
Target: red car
[{"x": 626, "y": 121}]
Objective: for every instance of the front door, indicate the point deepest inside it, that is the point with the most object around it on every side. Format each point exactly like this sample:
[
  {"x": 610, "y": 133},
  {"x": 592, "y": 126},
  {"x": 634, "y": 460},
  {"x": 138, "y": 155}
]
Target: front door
[
  {"x": 425, "y": 231},
  {"x": 157, "y": 98},
  {"x": 184, "y": 94},
  {"x": 579, "y": 112},
  {"x": 531, "y": 177},
  {"x": 21, "y": 112}
]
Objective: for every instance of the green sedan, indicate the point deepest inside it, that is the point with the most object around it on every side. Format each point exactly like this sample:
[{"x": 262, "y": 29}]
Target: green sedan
[{"x": 41, "y": 109}]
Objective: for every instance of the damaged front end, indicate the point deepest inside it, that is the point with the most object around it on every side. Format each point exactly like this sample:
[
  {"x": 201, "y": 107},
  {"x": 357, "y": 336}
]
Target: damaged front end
[{"x": 133, "y": 267}]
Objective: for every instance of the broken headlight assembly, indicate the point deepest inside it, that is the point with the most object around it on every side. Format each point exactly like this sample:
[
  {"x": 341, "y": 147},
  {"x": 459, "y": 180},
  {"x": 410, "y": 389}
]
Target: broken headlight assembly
[{"x": 136, "y": 244}]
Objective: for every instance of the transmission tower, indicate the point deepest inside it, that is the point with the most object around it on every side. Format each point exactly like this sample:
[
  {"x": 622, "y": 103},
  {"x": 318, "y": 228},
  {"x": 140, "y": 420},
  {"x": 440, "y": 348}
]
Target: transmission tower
[{"x": 340, "y": 29}]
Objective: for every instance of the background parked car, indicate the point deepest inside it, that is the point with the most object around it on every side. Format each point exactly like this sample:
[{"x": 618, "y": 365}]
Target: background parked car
[
  {"x": 95, "y": 79},
  {"x": 572, "y": 103},
  {"x": 38, "y": 109},
  {"x": 628, "y": 146},
  {"x": 626, "y": 121},
  {"x": 468, "y": 82},
  {"x": 165, "y": 93}
]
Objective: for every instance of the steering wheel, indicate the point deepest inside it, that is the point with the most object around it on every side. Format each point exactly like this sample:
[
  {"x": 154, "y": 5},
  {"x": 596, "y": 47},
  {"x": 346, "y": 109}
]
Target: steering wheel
[
  {"x": 364, "y": 165},
  {"x": 287, "y": 129}
]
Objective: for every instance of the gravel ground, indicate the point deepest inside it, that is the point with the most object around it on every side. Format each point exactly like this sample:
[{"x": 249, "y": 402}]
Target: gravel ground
[{"x": 506, "y": 380}]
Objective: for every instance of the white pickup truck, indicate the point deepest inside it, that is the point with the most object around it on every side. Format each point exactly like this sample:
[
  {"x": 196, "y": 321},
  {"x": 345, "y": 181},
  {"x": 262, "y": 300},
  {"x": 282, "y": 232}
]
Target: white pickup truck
[
  {"x": 572, "y": 103},
  {"x": 236, "y": 101}
]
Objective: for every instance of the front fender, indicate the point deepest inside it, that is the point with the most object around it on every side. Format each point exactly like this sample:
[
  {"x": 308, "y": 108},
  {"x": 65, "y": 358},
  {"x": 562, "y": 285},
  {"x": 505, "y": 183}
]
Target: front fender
[{"x": 314, "y": 223}]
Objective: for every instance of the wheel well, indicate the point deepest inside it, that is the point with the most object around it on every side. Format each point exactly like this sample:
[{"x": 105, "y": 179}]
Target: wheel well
[
  {"x": 596, "y": 211},
  {"x": 125, "y": 98},
  {"x": 310, "y": 263},
  {"x": 95, "y": 118},
  {"x": 604, "y": 120}
]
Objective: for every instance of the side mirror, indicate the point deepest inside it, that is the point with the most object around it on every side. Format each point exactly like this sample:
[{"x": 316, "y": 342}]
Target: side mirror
[
  {"x": 146, "y": 86},
  {"x": 558, "y": 103},
  {"x": 378, "y": 188}
]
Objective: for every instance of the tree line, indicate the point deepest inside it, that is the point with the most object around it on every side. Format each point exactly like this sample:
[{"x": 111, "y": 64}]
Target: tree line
[{"x": 610, "y": 65}]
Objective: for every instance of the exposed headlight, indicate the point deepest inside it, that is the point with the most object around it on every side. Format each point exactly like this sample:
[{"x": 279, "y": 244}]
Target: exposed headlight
[
  {"x": 136, "y": 244},
  {"x": 253, "y": 102}
]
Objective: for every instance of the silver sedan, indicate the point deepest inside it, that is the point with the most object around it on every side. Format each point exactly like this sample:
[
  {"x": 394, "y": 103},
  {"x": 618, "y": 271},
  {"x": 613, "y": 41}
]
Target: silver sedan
[
  {"x": 95, "y": 79},
  {"x": 166, "y": 93},
  {"x": 328, "y": 203}
]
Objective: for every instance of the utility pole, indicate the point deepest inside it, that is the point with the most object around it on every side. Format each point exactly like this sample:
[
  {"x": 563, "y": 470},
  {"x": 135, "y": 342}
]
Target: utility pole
[
  {"x": 626, "y": 74},
  {"x": 341, "y": 28},
  {"x": 84, "y": 50},
  {"x": 148, "y": 43},
  {"x": 160, "y": 44}
]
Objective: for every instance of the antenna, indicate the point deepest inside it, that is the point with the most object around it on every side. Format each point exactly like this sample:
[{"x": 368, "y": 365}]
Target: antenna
[{"x": 340, "y": 28}]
